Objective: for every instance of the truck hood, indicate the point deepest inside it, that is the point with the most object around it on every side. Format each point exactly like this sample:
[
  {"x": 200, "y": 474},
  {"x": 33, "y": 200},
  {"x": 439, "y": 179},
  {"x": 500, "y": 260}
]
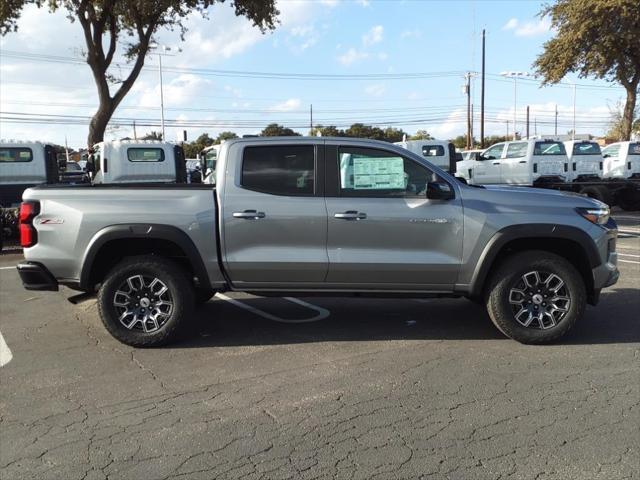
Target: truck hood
[{"x": 534, "y": 196}]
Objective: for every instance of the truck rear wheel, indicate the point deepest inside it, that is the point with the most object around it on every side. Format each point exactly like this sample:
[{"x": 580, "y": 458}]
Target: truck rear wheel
[
  {"x": 599, "y": 193},
  {"x": 629, "y": 199},
  {"x": 144, "y": 301},
  {"x": 535, "y": 297}
]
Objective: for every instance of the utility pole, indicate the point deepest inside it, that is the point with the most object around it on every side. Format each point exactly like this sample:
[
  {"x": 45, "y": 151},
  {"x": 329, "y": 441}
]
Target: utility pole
[
  {"x": 573, "y": 135},
  {"x": 467, "y": 89},
  {"x": 556, "y": 127},
  {"x": 507, "y": 129},
  {"x": 535, "y": 125},
  {"x": 527, "y": 121},
  {"x": 135, "y": 135},
  {"x": 482, "y": 97},
  {"x": 310, "y": 118},
  {"x": 161, "y": 97},
  {"x": 472, "y": 145}
]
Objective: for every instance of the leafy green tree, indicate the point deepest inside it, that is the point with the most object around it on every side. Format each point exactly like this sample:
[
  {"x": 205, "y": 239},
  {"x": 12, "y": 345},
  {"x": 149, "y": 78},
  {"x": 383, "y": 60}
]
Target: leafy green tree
[
  {"x": 493, "y": 139},
  {"x": 152, "y": 135},
  {"x": 421, "y": 135},
  {"x": 191, "y": 150},
  {"x": 106, "y": 24},
  {"x": 328, "y": 131},
  {"x": 393, "y": 134},
  {"x": 616, "y": 123},
  {"x": 461, "y": 141},
  {"x": 275, "y": 130},
  {"x": 597, "y": 38},
  {"x": 222, "y": 136}
]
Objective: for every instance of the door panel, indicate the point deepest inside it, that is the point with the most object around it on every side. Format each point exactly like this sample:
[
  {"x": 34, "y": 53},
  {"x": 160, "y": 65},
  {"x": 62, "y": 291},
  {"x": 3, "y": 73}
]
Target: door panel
[
  {"x": 488, "y": 169},
  {"x": 382, "y": 231},
  {"x": 514, "y": 168},
  {"x": 278, "y": 237}
]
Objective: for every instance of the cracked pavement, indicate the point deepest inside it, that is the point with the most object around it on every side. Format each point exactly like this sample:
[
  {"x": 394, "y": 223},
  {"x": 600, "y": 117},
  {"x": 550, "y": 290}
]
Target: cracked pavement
[{"x": 379, "y": 389}]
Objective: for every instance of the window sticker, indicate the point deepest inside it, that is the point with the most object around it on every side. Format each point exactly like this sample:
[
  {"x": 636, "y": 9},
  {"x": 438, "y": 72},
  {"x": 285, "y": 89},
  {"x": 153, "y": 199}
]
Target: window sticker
[{"x": 378, "y": 173}]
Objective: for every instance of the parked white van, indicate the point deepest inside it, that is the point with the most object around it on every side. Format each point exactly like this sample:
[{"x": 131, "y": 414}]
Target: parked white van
[
  {"x": 208, "y": 158},
  {"x": 522, "y": 162},
  {"x": 585, "y": 160},
  {"x": 622, "y": 160},
  {"x": 440, "y": 153},
  {"x": 134, "y": 161}
]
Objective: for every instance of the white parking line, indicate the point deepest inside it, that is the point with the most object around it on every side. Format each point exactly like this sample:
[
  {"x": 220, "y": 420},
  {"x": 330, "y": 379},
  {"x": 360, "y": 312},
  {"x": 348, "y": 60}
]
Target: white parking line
[
  {"x": 8, "y": 268},
  {"x": 627, "y": 255},
  {"x": 628, "y": 261},
  {"x": 5, "y": 352},
  {"x": 322, "y": 312}
]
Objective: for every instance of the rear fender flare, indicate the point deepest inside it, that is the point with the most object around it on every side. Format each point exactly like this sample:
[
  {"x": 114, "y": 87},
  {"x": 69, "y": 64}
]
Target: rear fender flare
[{"x": 141, "y": 230}]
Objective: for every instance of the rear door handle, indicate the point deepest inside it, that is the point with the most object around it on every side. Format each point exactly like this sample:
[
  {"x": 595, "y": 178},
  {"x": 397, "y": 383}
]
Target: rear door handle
[
  {"x": 351, "y": 215},
  {"x": 496, "y": 163},
  {"x": 522, "y": 161},
  {"x": 249, "y": 215}
]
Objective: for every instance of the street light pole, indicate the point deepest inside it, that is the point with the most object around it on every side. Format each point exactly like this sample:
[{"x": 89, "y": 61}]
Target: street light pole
[
  {"x": 573, "y": 135},
  {"x": 515, "y": 76}
]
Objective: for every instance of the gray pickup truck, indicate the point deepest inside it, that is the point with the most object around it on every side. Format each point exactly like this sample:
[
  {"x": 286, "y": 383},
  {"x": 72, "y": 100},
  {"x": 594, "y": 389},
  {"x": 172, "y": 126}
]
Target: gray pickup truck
[{"x": 319, "y": 216}]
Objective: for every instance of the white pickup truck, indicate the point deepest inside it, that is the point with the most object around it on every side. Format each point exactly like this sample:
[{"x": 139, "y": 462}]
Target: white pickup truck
[{"x": 544, "y": 163}]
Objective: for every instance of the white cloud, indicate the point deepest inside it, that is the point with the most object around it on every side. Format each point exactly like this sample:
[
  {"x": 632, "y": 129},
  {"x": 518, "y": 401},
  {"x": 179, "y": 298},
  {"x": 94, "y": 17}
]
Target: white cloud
[
  {"x": 373, "y": 36},
  {"x": 286, "y": 106},
  {"x": 411, "y": 34},
  {"x": 328, "y": 3},
  {"x": 450, "y": 126},
  {"x": 363, "y": 3},
  {"x": 375, "y": 90},
  {"x": 530, "y": 28},
  {"x": 352, "y": 55},
  {"x": 180, "y": 91}
]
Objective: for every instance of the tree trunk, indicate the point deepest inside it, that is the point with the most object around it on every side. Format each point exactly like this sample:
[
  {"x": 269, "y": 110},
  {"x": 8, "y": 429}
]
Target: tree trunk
[
  {"x": 629, "y": 110},
  {"x": 99, "y": 122}
]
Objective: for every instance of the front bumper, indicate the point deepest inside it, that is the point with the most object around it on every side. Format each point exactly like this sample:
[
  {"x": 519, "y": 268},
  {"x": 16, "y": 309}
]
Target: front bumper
[
  {"x": 35, "y": 276},
  {"x": 607, "y": 273}
]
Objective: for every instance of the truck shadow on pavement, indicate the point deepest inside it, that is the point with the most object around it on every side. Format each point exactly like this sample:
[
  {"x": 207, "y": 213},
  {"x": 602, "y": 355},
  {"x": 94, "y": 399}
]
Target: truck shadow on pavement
[{"x": 220, "y": 323}]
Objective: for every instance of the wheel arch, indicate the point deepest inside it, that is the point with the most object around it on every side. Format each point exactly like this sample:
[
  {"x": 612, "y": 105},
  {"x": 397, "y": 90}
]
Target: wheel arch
[
  {"x": 569, "y": 242},
  {"x": 115, "y": 242}
]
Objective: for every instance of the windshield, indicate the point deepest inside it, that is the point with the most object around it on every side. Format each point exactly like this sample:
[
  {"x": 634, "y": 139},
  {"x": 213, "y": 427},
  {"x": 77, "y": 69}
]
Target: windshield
[
  {"x": 587, "y": 148},
  {"x": 634, "y": 149},
  {"x": 549, "y": 148}
]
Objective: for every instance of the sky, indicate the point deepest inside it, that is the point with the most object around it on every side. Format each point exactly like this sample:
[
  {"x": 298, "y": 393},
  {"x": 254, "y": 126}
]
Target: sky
[{"x": 393, "y": 63}]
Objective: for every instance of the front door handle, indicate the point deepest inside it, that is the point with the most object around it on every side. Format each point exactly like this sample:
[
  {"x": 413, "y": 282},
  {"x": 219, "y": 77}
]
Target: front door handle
[
  {"x": 522, "y": 161},
  {"x": 351, "y": 215},
  {"x": 249, "y": 215},
  {"x": 496, "y": 163}
]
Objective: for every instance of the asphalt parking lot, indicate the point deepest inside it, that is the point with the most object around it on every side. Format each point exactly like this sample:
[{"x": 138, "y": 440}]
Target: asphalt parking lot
[{"x": 323, "y": 388}]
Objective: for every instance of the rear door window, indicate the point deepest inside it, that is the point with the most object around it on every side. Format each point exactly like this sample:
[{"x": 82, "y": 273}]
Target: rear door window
[
  {"x": 15, "y": 154},
  {"x": 634, "y": 149},
  {"x": 588, "y": 148},
  {"x": 279, "y": 170},
  {"x": 549, "y": 148},
  {"x": 517, "y": 150}
]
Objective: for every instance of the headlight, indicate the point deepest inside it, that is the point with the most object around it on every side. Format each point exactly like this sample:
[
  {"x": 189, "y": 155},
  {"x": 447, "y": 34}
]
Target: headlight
[{"x": 597, "y": 215}]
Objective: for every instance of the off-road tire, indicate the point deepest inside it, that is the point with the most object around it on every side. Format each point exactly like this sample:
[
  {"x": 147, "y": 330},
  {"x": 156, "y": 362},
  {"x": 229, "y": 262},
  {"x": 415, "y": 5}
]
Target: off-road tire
[
  {"x": 599, "y": 193},
  {"x": 506, "y": 276},
  {"x": 179, "y": 286}
]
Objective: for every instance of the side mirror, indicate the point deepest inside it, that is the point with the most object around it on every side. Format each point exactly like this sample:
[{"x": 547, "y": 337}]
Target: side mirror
[
  {"x": 439, "y": 191},
  {"x": 606, "y": 155}
]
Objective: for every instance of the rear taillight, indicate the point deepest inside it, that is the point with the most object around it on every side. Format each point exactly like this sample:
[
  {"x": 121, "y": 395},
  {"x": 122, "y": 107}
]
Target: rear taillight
[{"x": 28, "y": 234}]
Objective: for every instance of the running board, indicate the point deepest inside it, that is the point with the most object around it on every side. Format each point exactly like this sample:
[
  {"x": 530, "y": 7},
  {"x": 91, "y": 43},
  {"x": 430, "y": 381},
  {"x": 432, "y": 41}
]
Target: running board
[{"x": 82, "y": 297}]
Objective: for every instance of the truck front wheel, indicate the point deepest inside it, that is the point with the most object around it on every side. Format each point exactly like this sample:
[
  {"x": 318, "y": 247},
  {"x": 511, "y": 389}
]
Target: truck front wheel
[
  {"x": 144, "y": 300},
  {"x": 535, "y": 297}
]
